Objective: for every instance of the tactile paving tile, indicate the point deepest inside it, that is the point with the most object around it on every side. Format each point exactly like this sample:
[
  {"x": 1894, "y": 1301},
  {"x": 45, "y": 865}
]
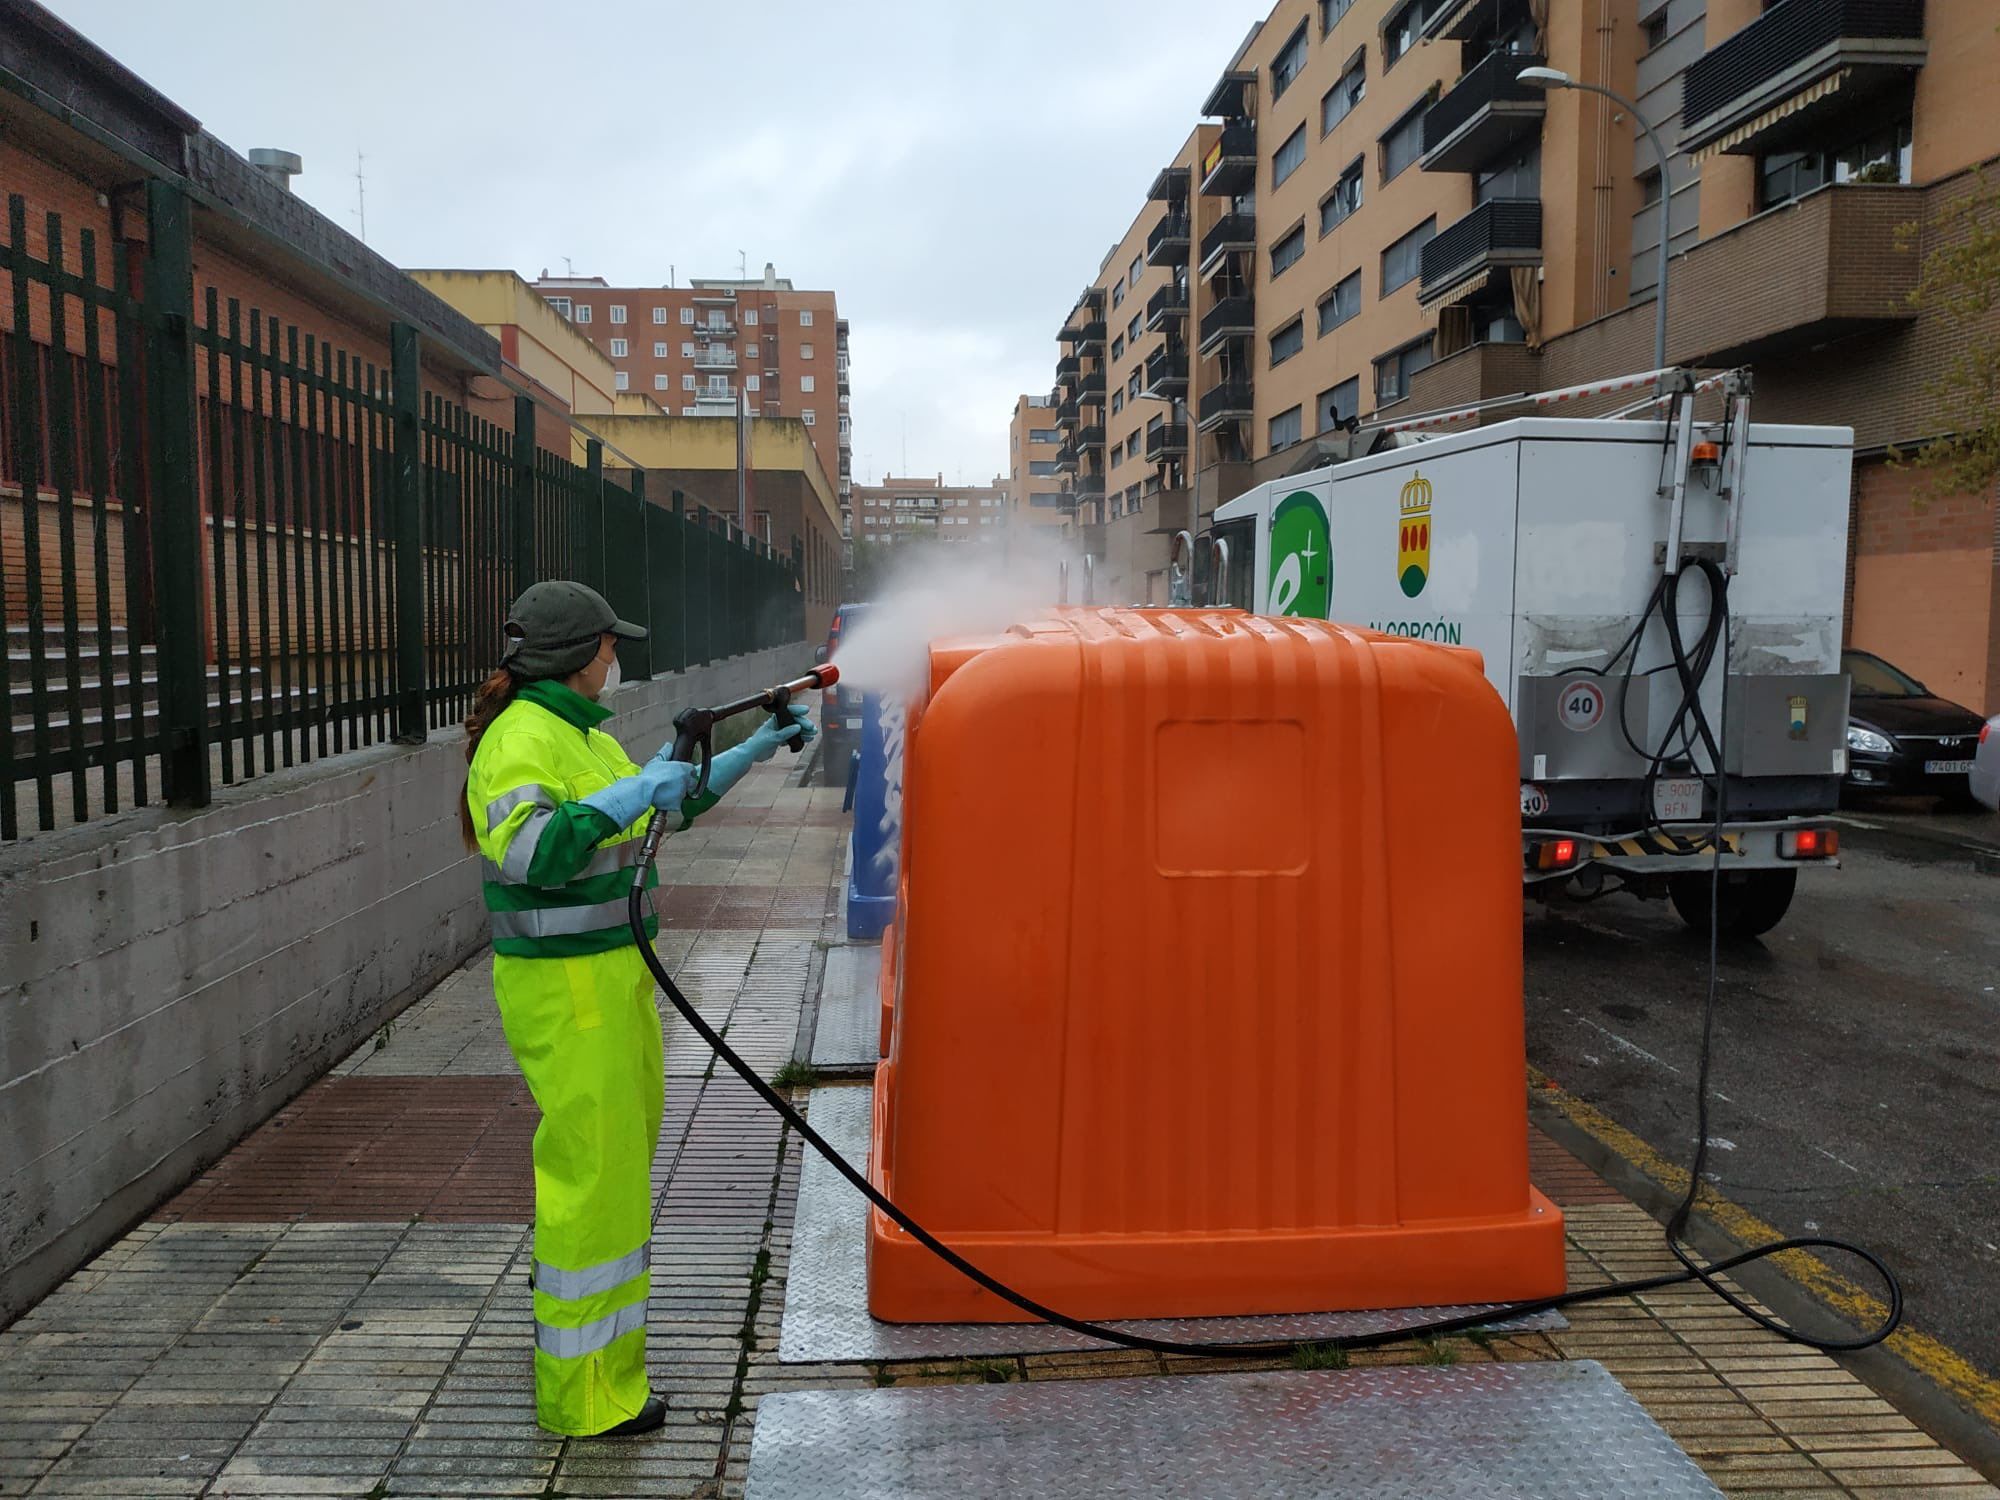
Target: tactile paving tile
[
  {"x": 848, "y": 1035},
  {"x": 826, "y": 1318},
  {"x": 1555, "y": 1431}
]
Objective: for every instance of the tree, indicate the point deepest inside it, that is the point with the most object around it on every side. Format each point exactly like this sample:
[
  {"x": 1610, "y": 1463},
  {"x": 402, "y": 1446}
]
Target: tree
[{"x": 1959, "y": 282}]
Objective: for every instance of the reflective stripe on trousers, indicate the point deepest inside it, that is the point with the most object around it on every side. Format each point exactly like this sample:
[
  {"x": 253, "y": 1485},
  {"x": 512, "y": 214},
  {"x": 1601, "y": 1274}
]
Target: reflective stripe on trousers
[
  {"x": 591, "y": 1280},
  {"x": 573, "y": 1343}
]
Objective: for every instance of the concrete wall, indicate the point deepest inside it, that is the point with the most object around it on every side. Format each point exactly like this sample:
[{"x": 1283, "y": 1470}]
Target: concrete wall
[{"x": 168, "y": 980}]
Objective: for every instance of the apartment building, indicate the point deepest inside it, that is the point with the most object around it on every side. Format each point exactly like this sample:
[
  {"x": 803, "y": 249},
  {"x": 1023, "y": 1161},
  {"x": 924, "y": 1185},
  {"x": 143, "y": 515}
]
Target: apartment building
[
  {"x": 1034, "y": 488},
  {"x": 903, "y": 508},
  {"x": 1378, "y": 218},
  {"x": 695, "y": 349}
]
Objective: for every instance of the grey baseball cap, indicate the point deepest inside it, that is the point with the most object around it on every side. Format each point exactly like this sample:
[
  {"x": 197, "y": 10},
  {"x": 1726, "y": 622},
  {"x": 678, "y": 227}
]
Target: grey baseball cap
[{"x": 555, "y": 626}]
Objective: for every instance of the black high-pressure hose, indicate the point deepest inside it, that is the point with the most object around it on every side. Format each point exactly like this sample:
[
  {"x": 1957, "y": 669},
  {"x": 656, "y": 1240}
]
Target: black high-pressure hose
[{"x": 1279, "y": 1348}]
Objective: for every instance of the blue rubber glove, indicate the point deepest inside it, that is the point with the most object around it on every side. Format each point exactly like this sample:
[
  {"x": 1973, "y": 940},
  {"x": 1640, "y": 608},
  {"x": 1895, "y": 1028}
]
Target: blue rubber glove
[
  {"x": 728, "y": 767},
  {"x": 658, "y": 783}
]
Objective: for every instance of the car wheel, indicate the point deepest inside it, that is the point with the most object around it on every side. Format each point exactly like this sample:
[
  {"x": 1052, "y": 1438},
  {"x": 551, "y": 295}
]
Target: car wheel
[{"x": 1748, "y": 905}]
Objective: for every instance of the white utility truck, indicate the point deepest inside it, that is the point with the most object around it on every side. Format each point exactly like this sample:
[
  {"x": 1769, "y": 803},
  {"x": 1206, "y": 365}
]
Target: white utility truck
[{"x": 1561, "y": 549}]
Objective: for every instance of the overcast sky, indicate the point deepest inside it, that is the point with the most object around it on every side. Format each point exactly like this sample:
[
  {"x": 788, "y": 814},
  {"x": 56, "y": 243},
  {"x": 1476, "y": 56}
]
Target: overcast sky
[{"x": 953, "y": 171}]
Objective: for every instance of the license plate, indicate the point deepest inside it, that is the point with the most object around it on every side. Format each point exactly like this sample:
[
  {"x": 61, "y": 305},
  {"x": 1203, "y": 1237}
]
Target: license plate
[
  {"x": 1947, "y": 768},
  {"x": 1677, "y": 799},
  {"x": 853, "y": 723}
]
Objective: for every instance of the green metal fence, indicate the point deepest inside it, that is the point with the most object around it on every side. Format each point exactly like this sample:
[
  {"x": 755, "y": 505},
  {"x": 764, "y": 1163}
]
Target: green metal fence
[{"x": 227, "y": 546}]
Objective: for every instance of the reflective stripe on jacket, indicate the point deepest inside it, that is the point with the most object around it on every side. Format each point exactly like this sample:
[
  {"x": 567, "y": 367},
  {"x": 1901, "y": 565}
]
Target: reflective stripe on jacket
[{"x": 557, "y": 873}]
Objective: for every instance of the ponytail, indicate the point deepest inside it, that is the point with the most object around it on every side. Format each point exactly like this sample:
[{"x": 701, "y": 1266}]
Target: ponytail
[{"x": 488, "y": 700}]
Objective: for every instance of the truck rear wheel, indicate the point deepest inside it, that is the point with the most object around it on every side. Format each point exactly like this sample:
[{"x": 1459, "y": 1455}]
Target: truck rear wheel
[{"x": 1749, "y": 904}]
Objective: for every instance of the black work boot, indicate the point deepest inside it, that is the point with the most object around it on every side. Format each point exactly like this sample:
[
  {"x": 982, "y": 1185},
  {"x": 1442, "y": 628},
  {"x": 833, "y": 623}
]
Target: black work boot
[{"x": 652, "y": 1417}]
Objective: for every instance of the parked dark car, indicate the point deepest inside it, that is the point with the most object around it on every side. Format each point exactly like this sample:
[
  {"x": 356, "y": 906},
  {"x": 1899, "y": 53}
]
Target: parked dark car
[
  {"x": 1902, "y": 737},
  {"x": 839, "y": 707}
]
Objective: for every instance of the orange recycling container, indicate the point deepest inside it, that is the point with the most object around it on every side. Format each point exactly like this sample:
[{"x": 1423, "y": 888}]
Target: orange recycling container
[{"x": 1204, "y": 990}]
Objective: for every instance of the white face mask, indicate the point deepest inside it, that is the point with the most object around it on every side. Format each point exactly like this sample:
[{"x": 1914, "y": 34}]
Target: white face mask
[{"x": 613, "y": 681}]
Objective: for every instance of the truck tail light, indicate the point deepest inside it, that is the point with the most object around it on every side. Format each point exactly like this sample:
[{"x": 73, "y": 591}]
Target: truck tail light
[
  {"x": 1553, "y": 854},
  {"x": 1809, "y": 843}
]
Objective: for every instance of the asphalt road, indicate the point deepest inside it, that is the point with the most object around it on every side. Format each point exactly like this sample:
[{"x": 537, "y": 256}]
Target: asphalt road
[{"x": 1857, "y": 1052}]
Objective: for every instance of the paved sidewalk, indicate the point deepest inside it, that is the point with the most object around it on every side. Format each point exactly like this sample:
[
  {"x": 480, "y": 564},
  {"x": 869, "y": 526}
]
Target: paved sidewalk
[{"x": 340, "y": 1307}]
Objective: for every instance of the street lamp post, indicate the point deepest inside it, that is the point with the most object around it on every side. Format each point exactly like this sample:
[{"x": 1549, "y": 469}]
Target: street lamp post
[{"x": 1555, "y": 78}]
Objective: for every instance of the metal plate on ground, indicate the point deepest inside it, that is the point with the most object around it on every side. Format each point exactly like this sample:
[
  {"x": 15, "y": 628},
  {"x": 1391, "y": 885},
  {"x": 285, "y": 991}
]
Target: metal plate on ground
[
  {"x": 1557, "y": 1431},
  {"x": 826, "y": 1317},
  {"x": 848, "y": 1036}
]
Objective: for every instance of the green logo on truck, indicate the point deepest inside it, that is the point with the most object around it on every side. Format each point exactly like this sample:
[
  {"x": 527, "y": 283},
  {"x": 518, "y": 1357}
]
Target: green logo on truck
[{"x": 1301, "y": 557}]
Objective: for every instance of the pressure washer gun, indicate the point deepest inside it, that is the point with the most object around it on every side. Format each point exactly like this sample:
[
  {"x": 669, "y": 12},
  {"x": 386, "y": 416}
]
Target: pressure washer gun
[{"x": 694, "y": 728}]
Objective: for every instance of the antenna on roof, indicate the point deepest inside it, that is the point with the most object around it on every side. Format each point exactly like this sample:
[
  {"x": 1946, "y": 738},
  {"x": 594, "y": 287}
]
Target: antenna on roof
[
  {"x": 361, "y": 197},
  {"x": 569, "y": 266}
]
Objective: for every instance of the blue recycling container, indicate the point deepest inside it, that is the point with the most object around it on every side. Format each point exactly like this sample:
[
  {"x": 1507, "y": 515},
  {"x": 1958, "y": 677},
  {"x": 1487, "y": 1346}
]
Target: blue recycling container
[{"x": 878, "y": 819}]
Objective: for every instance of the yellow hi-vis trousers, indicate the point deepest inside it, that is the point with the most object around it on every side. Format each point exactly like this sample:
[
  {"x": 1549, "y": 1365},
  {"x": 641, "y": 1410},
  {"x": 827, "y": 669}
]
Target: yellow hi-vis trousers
[{"x": 586, "y": 1033}]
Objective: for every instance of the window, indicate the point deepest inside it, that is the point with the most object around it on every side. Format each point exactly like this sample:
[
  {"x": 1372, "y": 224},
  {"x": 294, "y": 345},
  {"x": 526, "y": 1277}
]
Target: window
[
  {"x": 1132, "y": 329},
  {"x": 1394, "y": 369},
  {"x": 1403, "y": 260},
  {"x": 1044, "y": 435},
  {"x": 1340, "y": 304},
  {"x": 1118, "y": 293},
  {"x": 1132, "y": 387},
  {"x": 807, "y": 417},
  {"x": 583, "y": 312},
  {"x": 1286, "y": 159},
  {"x": 1288, "y": 341},
  {"x": 1343, "y": 200},
  {"x": 753, "y": 383},
  {"x": 1330, "y": 12},
  {"x": 1286, "y": 66},
  {"x": 1285, "y": 429},
  {"x": 659, "y": 348},
  {"x": 1653, "y": 30},
  {"x": 624, "y": 381},
  {"x": 1519, "y": 178},
  {"x": 1403, "y": 142},
  {"x": 1401, "y": 30},
  {"x": 1117, "y": 454},
  {"x": 687, "y": 382},
  {"x": 1340, "y": 405},
  {"x": 687, "y": 351},
  {"x": 805, "y": 317},
  {"x": 805, "y": 351},
  {"x": 617, "y": 312},
  {"x": 1132, "y": 271},
  {"x": 1649, "y": 188},
  {"x": 659, "y": 315},
  {"x": 619, "y": 348},
  {"x": 1042, "y": 466},
  {"x": 805, "y": 383},
  {"x": 1117, "y": 401},
  {"x": 560, "y": 304},
  {"x": 1286, "y": 252},
  {"x": 749, "y": 317},
  {"x": 687, "y": 316},
  {"x": 1337, "y": 102},
  {"x": 750, "y": 352},
  {"x": 1880, "y": 156},
  {"x": 1118, "y": 347}
]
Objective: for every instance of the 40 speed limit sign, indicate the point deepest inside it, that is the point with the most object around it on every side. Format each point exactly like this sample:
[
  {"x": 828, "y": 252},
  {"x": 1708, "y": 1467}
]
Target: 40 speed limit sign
[{"x": 1581, "y": 706}]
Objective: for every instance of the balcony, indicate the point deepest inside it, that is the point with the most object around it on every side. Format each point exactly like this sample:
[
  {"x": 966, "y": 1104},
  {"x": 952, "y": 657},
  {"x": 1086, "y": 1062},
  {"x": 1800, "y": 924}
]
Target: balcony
[
  {"x": 1167, "y": 305},
  {"x": 1230, "y": 166},
  {"x": 1469, "y": 20},
  {"x": 1230, "y": 98},
  {"x": 1066, "y": 412},
  {"x": 1170, "y": 186},
  {"x": 1168, "y": 440},
  {"x": 1089, "y": 438},
  {"x": 1485, "y": 112},
  {"x": 1499, "y": 233},
  {"x": 1228, "y": 402},
  {"x": 1231, "y": 318},
  {"x": 1796, "y": 277},
  {"x": 715, "y": 329},
  {"x": 1167, "y": 371},
  {"x": 1232, "y": 233},
  {"x": 1167, "y": 245},
  {"x": 1090, "y": 389},
  {"x": 716, "y": 357},
  {"x": 1067, "y": 369},
  {"x": 1779, "y": 82},
  {"x": 1065, "y": 459}
]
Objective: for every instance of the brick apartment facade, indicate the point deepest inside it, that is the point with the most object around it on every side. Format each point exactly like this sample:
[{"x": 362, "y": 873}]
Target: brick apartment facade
[
  {"x": 902, "y": 508},
  {"x": 1034, "y": 488},
  {"x": 694, "y": 348},
  {"x": 1374, "y": 218}
]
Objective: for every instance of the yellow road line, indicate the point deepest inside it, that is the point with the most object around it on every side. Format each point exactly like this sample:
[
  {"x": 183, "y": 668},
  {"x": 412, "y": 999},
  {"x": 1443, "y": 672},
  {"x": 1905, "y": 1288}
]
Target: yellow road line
[{"x": 1939, "y": 1362}]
